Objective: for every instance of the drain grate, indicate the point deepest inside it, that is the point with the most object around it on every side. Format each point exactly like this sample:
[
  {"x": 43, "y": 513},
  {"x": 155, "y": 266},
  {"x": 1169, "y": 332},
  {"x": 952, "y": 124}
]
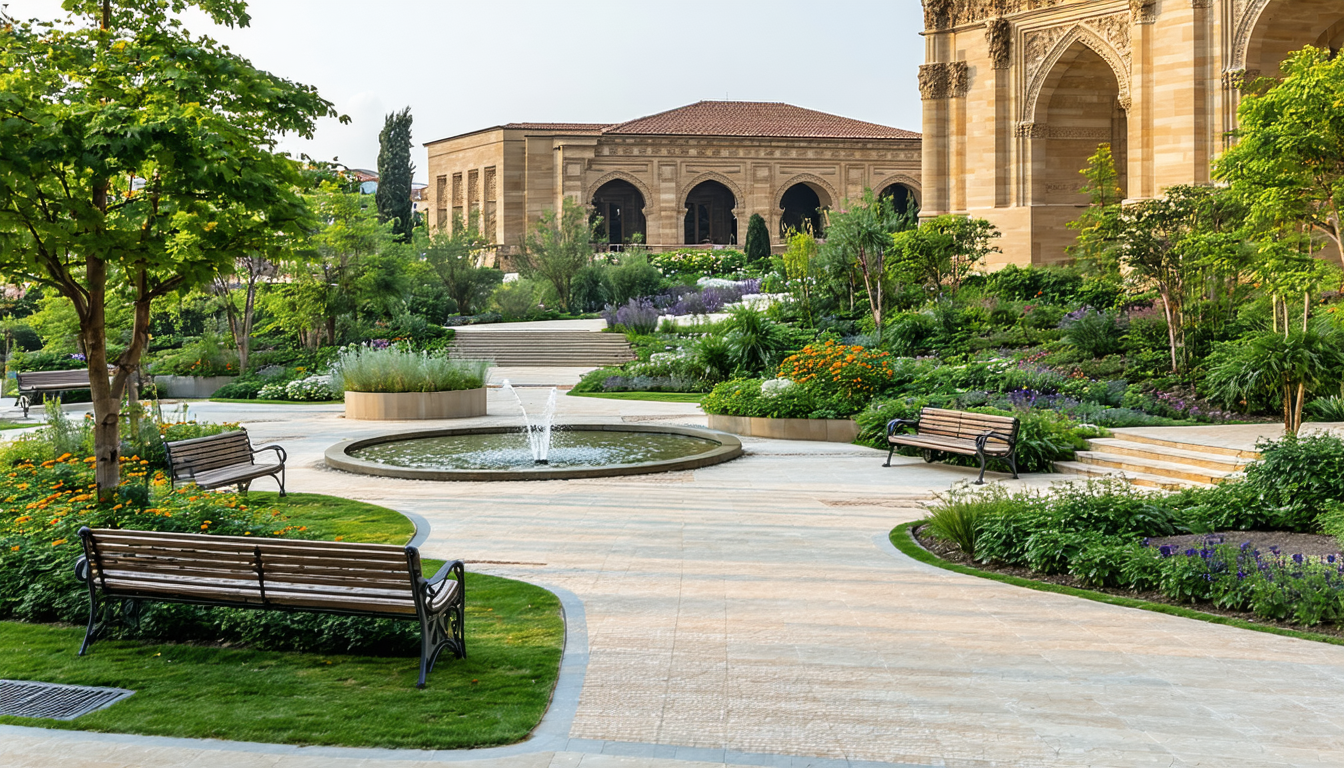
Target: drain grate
[{"x": 22, "y": 698}]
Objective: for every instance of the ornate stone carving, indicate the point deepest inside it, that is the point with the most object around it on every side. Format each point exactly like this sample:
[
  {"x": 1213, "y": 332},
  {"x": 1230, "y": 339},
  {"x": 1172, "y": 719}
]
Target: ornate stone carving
[
  {"x": 999, "y": 35},
  {"x": 943, "y": 80},
  {"x": 1143, "y": 11},
  {"x": 1201, "y": 3},
  {"x": 1239, "y": 79},
  {"x": 1107, "y": 36},
  {"x": 1245, "y": 14},
  {"x": 1032, "y": 130},
  {"x": 945, "y": 14}
]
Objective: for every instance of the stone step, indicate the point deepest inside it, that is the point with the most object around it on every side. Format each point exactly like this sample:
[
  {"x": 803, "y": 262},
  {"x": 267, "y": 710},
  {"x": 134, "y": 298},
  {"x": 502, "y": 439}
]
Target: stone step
[
  {"x": 1220, "y": 450},
  {"x": 544, "y": 348},
  {"x": 1134, "y": 464},
  {"x": 1141, "y": 479},
  {"x": 1152, "y": 451}
]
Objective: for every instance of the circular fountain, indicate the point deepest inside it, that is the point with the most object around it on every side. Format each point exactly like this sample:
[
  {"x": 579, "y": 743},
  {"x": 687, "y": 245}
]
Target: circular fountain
[{"x": 535, "y": 451}]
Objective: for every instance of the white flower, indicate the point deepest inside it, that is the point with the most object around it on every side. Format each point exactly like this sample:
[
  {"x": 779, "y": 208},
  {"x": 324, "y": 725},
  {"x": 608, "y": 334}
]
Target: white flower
[{"x": 775, "y": 387}]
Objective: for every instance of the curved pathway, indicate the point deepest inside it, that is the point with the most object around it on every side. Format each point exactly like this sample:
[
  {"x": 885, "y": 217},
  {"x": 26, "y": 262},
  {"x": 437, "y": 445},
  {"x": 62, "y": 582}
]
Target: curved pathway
[{"x": 754, "y": 613}]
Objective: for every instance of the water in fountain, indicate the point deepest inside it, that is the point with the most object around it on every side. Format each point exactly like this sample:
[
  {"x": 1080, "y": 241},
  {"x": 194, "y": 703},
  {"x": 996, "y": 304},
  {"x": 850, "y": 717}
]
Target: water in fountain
[{"x": 538, "y": 434}]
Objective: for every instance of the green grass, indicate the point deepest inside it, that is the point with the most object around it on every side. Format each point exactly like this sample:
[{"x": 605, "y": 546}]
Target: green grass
[
  {"x": 272, "y": 402},
  {"x": 902, "y": 540},
  {"x": 14, "y": 425},
  {"x": 497, "y": 695},
  {"x": 662, "y": 397}
]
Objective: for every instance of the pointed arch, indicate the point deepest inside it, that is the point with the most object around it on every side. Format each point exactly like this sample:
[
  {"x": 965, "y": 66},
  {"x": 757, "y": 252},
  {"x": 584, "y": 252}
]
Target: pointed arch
[
  {"x": 1094, "y": 42},
  {"x": 812, "y": 180},
  {"x": 739, "y": 196},
  {"x": 621, "y": 176}
]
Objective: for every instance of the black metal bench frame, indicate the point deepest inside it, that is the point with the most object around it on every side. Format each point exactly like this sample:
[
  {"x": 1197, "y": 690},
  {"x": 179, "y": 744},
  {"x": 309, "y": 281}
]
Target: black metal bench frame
[
  {"x": 981, "y": 437},
  {"x": 187, "y": 464},
  {"x": 441, "y": 629}
]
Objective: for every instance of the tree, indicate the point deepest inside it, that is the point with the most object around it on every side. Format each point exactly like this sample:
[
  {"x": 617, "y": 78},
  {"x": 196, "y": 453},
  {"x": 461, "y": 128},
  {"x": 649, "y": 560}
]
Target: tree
[
  {"x": 1183, "y": 245},
  {"x": 453, "y": 258},
  {"x": 560, "y": 245},
  {"x": 757, "y": 245},
  {"x": 394, "y": 175},
  {"x": 862, "y": 232},
  {"x": 942, "y": 251},
  {"x": 1288, "y": 162},
  {"x": 799, "y": 268},
  {"x": 1095, "y": 248},
  {"x": 124, "y": 142}
]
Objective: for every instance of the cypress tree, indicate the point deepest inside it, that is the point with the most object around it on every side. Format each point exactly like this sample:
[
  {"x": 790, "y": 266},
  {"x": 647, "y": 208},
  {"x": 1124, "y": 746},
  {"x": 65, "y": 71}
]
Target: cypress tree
[
  {"x": 394, "y": 174},
  {"x": 758, "y": 240}
]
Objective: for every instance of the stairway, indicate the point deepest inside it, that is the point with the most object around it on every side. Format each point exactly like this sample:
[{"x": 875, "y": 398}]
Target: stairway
[
  {"x": 1157, "y": 463},
  {"x": 579, "y": 349}
]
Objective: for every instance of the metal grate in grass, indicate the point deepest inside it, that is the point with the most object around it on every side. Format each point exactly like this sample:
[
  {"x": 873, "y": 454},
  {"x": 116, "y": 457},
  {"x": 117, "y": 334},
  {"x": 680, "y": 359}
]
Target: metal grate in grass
[{"x": 23, "y": 698}]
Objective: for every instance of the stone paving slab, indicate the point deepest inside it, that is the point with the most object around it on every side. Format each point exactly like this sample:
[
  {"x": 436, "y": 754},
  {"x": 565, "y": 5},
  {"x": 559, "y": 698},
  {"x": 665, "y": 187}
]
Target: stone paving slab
[{"x": 754, "y": 613}]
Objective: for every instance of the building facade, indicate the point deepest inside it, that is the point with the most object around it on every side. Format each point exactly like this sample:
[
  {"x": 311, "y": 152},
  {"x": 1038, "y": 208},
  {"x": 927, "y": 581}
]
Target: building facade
[
  {"x": 1019, "y": 93},
  {"x": 689, "y": 176}
]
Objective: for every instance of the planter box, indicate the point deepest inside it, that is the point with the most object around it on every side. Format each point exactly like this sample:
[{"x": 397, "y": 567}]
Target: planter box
[
  {"x": 402, "y": 406},
  {"x": 821, "y": 430},
  {"x": 191, "y": 386}
]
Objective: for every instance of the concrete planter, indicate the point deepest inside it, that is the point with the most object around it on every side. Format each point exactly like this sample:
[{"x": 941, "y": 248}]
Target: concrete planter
[
  {"x": 821, "y": 430},
  {"x": 404, "y": 406},
  {"x": 191, "y": 386}
]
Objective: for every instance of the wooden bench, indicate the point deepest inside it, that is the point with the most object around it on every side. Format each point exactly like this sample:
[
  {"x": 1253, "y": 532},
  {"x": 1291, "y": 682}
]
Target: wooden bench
[
  {"x": 215, "y": 461},
  {"x": 34, "y": 382},
  {"x": 970, "y": 434},
  {"x": 346, "y": 579}
]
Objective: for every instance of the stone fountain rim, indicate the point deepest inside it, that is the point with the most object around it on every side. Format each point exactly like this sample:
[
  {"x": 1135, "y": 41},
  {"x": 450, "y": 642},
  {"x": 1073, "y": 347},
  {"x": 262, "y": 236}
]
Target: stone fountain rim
[{"x": 338, "y": 456}]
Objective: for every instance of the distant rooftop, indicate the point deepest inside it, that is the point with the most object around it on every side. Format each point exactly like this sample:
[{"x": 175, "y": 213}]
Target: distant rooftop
[{"x": 731, "y": 118}]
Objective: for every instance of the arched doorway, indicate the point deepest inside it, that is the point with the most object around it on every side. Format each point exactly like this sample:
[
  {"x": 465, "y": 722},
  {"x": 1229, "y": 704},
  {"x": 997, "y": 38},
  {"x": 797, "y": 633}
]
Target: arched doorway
[
  {"x": 1285, "y": 26},
  {"x": 1077, "y": 111},
  {"x": 903, "y": 199},
  {"x": 621, "y": 207},
  {"x": 709, "y": 214},
  {"x": 801, "y": 210}
]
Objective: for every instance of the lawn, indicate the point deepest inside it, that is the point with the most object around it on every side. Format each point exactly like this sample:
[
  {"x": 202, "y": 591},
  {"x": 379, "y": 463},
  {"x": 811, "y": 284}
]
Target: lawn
[
  {"x": 661, "y": 397},
  {"x": 497, "y": 695}
]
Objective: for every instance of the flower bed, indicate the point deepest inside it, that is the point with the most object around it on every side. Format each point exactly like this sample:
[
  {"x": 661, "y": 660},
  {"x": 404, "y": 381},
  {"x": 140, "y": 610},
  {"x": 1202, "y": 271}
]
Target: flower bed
[
  {"x": 395, "y": 383},
  {"x": 1099, "y": 534}
]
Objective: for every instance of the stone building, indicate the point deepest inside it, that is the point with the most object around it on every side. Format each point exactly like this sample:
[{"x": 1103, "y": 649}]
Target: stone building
[
  {"x": 1019, "y": 93},
  {"x": 692, "y": 175}
]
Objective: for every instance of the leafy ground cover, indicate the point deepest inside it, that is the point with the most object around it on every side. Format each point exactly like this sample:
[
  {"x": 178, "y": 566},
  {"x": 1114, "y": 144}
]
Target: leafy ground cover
[{"x": 252, "y": 675}]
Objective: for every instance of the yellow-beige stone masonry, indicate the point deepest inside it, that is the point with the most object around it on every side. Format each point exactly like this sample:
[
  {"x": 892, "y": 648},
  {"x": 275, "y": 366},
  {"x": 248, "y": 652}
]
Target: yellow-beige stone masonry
[{"x": 1019, "y": 93}]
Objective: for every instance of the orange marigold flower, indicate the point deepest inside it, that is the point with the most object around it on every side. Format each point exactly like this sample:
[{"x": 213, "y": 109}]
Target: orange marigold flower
[{"x": 58, "y": 542}]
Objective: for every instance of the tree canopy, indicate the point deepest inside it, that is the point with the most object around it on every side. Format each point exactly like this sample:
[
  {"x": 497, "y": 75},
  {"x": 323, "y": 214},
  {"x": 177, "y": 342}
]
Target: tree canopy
[
  {"x": 125, "y": 141},
  {"x": 394, "y": 174}
]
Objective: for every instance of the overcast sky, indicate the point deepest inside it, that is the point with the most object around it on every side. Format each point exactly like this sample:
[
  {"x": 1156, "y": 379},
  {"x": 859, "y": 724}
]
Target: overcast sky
[{"x": 461, "y": 66}]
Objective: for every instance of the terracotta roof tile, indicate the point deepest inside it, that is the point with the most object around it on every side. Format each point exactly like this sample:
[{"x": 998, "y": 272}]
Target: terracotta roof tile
[{"x": 754, "y": 118}]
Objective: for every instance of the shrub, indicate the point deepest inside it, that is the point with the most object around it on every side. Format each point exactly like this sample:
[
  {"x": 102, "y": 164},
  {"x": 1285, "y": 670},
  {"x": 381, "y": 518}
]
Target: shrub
[
  {"x": 957, "y": 517},
  {"x": 637, "y": 316},
  {"x": 1298, "y": 478},
  {"x": 1095, "y": 334},
  {"x": 516, "y": 300},
  {"x": 210, "y": 355},
  {"x": 397, "y": 369},
  {"x": 635, "y": 277},
  {"x": 755, "y": 341},
  {"x": 591, "y": 289},
  {"x": 1326, "y": 409}
]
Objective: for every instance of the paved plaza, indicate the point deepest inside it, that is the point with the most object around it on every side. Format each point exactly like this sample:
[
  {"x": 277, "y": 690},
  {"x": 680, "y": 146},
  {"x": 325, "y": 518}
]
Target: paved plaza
[{"x": 754, "y": 613}]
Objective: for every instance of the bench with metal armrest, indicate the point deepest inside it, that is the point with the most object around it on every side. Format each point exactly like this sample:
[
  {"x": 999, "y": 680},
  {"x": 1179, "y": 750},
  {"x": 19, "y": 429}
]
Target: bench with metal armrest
[{"x": 938, "y": 430}]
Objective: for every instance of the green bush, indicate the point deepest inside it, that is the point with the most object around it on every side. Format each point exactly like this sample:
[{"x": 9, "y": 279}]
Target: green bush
[
  {"x": 957, "y": 517},
  {"x": 210, "y": 355},
  {"x": 633, "y": 278},
  {"x": 516, "y": 300},
  {"x": 1297, "y": 479},
  {"x": 1095, "y": 334},
  {"x": 398, "y": 369}
]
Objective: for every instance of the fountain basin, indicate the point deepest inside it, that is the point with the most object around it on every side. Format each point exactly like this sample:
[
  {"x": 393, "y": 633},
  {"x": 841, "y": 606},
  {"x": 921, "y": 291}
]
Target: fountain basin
[{"x": 472, "y": 453}]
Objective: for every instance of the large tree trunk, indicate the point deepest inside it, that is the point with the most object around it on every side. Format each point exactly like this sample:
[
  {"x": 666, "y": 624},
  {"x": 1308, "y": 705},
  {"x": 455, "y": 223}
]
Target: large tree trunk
[{"x": 106, "y": 410}]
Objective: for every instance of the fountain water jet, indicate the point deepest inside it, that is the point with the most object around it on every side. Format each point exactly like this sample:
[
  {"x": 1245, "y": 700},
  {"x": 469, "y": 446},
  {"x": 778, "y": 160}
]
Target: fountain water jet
[{"x": 539, "y": 434}]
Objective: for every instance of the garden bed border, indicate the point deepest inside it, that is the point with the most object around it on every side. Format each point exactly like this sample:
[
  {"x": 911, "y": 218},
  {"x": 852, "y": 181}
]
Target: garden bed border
[
  {"x": 819, "y": 430},
  {"x": 405, "y": 406}
]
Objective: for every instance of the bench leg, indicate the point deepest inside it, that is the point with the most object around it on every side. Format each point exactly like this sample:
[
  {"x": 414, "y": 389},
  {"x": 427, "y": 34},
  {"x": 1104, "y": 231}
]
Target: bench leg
[
  {"x": 23, "y": 402},
  {"x": 1012, "y": 462},
  {"x": 981, "y": 480},
  {"x": 97, "y": 612},
  {"x": 280, "y": 478},
  {"x": 889, "y": 455}
]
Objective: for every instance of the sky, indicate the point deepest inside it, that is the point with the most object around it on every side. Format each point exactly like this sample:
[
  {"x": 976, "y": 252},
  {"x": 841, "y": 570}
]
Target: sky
[{"x": 462, "y": 66}]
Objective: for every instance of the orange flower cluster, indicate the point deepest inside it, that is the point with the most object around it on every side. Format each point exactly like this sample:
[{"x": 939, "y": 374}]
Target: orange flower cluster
[{"x": 851, "y": 373}]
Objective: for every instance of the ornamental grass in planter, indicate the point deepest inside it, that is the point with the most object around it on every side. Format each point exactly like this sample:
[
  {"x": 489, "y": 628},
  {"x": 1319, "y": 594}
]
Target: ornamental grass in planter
[{"x": 397, "y": 383}]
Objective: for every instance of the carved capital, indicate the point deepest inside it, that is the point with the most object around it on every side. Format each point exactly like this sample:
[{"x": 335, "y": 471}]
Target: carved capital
[
  {"x": 943, "y": 80},
  {"x": 1201, "y": 4},
  {"x": 999, "y": 35},
  {"x": 938, "y": 14},
  {"x": 1126, "y": 102},
  {"x": 1239, "y": 79},
  {"x": 1143, "y": 11}
]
